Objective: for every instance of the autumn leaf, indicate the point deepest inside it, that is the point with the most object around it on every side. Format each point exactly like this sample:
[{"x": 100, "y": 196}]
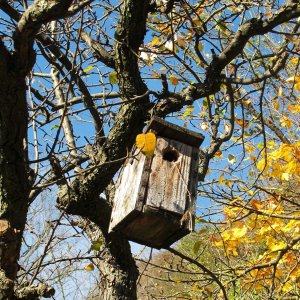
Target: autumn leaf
[
  {"x": 286, "y": 122},
  {"x": 242, "y": 123},
  {"x": 221, "y": 179},
  {"x": 147, "y": 143},
  {"x": 155, "y": 41},
  {"x": 188, "y": 112},
  {"x": 218, "y": 154},
  {"x": 89, "y": 68},
  {"x": 296, "y": 81},
  {"x": 231, "y": 159},
  {"x": 96, "y": 246},
  {"x": 169, "y": 45},
  {"x": 89, "y": 267},
  {"x": 173, "y": 80},
  {"x": 113, "y": 79}
]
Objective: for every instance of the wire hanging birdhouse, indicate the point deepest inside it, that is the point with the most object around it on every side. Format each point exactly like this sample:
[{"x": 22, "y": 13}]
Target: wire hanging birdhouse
[{"x": 154, "y": 201}]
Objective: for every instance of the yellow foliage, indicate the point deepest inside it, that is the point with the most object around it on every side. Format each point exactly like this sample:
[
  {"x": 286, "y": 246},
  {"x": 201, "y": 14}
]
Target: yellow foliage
[{"x": 282, "y": 163}]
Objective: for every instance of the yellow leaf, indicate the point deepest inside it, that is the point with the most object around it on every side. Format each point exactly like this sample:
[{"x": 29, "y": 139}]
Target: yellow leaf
[
  {"x": 155, "y": 41},
  {"x": 188, "y": 112},
  {"x": 286, "y": 122},
  {"x": 294, "y": 109},
  {"x": 155, "y": 75},
  {"x": 237, "y": 233},
  {"x": 250, "y": 148},
  {"x": 293, "y": 79},
  {"x": 89, "y": 267},
  {"x": 242, "y": 123},
  {"x": 276, "y": 105},
  {"x": 280, "y": 91},
  {"x": 147, "y": 143},
  {"x": 276, "y": 245},
  {"x": 295, "y": 60},
  {"x": 219, "y": 154},
  {"x": 180, "y": 42},
  {"x": 89, "y": 68},
  {"x": 285, "y": 176},
  {"x": 221, "y": 179},
  {"x": 256, "y": 204},
  {"x": 173, "y": 80}
]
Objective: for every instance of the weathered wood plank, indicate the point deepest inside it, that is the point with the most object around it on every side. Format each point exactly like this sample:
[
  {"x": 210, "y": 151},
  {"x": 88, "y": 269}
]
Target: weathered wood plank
[
  {"x": 169, "y": 180},
  {"x": 127, "y": 189}
]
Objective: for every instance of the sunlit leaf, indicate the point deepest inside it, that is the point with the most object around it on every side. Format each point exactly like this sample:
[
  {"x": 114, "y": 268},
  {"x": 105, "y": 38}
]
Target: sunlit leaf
[
  {"x": 96, "y": 246},
  {"x": 89, "y": 68},
  {"x": 169, "y": 45},
  {"x": 147, "y": 143},
  {"x": 89, "y": 267},
  {"x": 113, "y": 79},
  {"x": 221, "y": 179},
  {"x": 188, "y": 112},
  {"x": 54, "y": 126},
  {"x": 155, "y": 41},
  {"x": 231, "y": 159},
  {"x": 173, "y": 80},
  {"x": 219, "y": 154}
]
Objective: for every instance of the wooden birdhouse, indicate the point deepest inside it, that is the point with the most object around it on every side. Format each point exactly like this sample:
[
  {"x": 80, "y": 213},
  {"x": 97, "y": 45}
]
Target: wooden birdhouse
[{"x": 154, "y": 201}]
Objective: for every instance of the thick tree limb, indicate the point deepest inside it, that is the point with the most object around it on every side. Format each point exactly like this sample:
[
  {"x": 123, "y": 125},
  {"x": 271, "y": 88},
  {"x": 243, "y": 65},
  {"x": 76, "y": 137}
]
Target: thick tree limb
[
  {"x": 34, "y": 292},
  {"x": 98, "y": 51}
]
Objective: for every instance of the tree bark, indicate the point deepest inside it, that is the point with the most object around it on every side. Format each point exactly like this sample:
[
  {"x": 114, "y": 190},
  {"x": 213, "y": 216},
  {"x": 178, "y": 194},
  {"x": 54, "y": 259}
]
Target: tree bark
[
  {"x": 118, "y": 271},
  {"x": 14, "y": 185}
]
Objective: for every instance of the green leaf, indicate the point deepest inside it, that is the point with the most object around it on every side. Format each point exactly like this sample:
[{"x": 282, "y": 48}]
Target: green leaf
[
  {"x": 196, "y": 247},
  {"x": 96, "y": 246},
  {"x": 54, "y": 126},
  {"x": 199, "y": 220},
  {"x": 231, "y": 159},
  {"x": 113, "y": 79}
]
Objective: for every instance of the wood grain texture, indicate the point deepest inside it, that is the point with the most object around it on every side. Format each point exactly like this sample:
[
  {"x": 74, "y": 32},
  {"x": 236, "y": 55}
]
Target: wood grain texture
[
  {"x": 127, "y": 189},
  {"x": 169, "y": 180}
]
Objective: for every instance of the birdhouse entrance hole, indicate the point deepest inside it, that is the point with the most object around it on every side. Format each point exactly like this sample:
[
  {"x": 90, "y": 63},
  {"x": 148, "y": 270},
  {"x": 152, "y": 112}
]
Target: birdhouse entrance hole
[{"x": 170, "y": 154}]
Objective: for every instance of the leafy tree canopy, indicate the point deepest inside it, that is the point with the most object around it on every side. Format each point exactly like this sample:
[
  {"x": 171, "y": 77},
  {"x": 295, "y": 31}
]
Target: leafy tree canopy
[{"x": 78, "y": 82}]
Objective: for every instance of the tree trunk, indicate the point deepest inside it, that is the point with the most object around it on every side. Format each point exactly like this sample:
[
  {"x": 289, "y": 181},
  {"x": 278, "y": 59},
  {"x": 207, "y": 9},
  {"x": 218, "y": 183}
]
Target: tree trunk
[
  {"x": 13, "y": 170},
  {"x": 118, "y": 271}
]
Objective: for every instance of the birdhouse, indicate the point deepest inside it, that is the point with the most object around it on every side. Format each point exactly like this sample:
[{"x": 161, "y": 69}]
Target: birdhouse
[{"x": 154, "y": 201}]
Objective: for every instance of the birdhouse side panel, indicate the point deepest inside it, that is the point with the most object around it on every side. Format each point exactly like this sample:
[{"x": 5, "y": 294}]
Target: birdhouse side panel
[
  {"x": 127, "y": 190},
  {"x": 168, "y": 186}
]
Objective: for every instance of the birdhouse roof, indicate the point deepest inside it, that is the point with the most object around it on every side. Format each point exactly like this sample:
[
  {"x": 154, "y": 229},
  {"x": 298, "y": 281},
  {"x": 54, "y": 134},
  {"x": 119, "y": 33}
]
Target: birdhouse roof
[{"x": 175, "y": 132}]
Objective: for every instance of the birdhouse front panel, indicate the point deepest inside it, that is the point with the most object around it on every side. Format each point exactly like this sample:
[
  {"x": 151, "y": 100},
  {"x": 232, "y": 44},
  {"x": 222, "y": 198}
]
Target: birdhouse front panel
[{"x": 168, "y": 186}]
